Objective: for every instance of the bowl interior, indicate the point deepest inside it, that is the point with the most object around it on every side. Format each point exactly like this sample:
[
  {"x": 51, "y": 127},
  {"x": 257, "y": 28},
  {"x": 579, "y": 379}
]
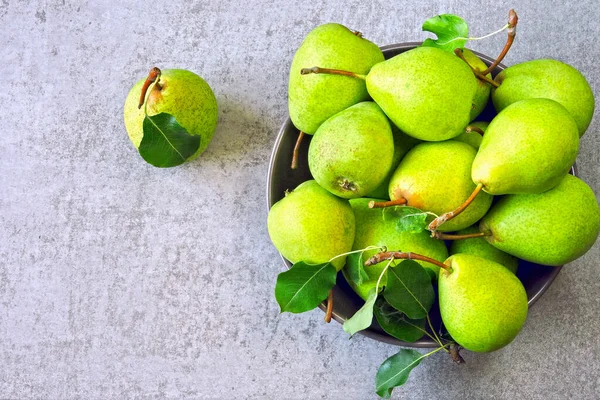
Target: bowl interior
[{"x": 535, "y": 278}]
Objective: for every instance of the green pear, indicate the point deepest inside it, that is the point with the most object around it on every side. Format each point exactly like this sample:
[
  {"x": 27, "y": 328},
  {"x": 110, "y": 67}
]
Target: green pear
[
  {"x": 314, "y": 98},
  {"x": 402, "y": 144},
  {"x": 550, "y": 228},
  {"x": 482, "y": 95},
  {"x": 483, "y": 305},
  {"x": 527, "y": 148},
  {"x": 427, "y": 92},
  {"x": 184, "y": 95},
  {"x": 480, "y": 247},
  {"x": 550, "y": 79},
  {"x": 373, "y": 228},
  {"x": 472, "y": 137},
  {"x": 436, "y": 177},
  {"x": 351, "y": 153},
  {"x": 312, "y": 225}
]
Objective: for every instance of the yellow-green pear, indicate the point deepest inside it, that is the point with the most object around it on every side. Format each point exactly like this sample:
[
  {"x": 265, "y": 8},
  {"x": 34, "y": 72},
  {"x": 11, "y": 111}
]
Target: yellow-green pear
[
  {"x": 310, "y": 224},
  {"x": 378, "y": 227},
  {"x": 483, "y": 305},
  {"x": 550, "y": 228},
  {"x": 181, "y": 93}
]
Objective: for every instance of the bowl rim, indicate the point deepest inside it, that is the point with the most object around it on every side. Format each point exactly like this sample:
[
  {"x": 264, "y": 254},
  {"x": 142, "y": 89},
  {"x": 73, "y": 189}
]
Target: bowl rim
[{"x": 421, "y": 343}]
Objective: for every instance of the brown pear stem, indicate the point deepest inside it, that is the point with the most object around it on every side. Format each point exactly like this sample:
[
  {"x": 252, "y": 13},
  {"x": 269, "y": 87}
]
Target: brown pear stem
[
  {"x": 319, "y": 70},
  {"x": 446, "y": 236},
  {"x": 513, "y": 19},
  {"x": 449, "y": 215},
  {"x": 329, "y": 311},
  {"x": 382, "y": 204},
  {"x": 357, "y": 33},
  {"x": 473, "y": 128},
  {"x": 399, "y": 255},
  {"x": 153, "y": 76},
  {"x": 454, "y": 351},
  {"x": 479, "y": 75},
  {"x": 296, "y": 150}
]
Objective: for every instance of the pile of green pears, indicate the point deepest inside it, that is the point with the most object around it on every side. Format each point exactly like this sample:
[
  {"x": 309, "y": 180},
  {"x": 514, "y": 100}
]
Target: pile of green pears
[{"x": 405, "y": 168}]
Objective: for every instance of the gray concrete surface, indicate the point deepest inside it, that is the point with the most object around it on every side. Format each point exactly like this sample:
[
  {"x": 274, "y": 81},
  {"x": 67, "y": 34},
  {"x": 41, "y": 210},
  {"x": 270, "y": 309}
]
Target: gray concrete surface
[{"x": 119, "y": 280}]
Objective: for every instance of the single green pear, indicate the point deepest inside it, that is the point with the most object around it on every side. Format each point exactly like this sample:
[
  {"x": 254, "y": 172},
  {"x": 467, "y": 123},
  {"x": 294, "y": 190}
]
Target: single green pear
[
  {"x": 478, "y": 246},
  {"x": 181, "y": 93},
  {"x": 472, "y": 137},
  {"x": 527, "y": 148},
  {"x": 427, "y": 92},
  {"x": 550, "y": 228},
  {"x": 482, "y": 95},
  {"x": 314, "y": 98},
  {"x": 402, "y": 144},
  {"x": 312, "y": 225},
  {"x": 549, "y": 79},
  {"x": 483, "y": 305},
  {"x": 351, "y": 153},
  {"x": 375, "y": 227},
  {"x": 444, "y": 186}
]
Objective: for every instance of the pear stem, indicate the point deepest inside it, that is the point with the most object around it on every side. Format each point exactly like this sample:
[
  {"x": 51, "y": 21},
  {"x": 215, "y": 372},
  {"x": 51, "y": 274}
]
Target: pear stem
[
  {"x": 319, "y": 70},
  {"x": 479, "y": 75},
  {"x": 399, "y": 255},
  {"x": 446, "y": 236},
  {"x": 296, "y": 150},
  {"x": 382, "y": 204},
  {"x": 153, "y": 76},
  {"x": 449, "y": 215},
  {"x": 329, "y": 311},
  {"x": 473, "y": 128},
  {"x": 455, "y": 354},
  {"x": 513, "y": 19}
]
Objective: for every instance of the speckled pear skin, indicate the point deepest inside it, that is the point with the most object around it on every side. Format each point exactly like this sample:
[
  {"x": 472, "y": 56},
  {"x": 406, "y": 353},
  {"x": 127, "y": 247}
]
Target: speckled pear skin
[
  {"x": 372, "y": 229},
  {"x": 426, "y": 92},
  {"x": 313, "y": 98},
  {"x": 546, "y": 78},
  {"x": 473, "y": 138},
  {"x": 312, "y": 225},
  {"x": 351, "y": 153},
  {"x": 550, "y": 228},
  {"x": 482, "y": 95},
  {"x": 527, "y": 148},
  {"x": 402, "y": 144},
  {"x": 483, "y": 305},
  {"x": 480, "y": 247},
  {"x": 443, "y": 188},
  {"x": 184, "y": 95}
]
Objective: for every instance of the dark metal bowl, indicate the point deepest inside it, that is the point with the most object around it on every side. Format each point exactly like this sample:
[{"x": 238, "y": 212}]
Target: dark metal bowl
[{"x": 535, "y": 278}]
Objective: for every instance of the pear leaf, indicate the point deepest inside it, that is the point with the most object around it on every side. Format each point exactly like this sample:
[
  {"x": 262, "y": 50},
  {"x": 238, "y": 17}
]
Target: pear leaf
[
  {"x": 395, "y": 371},
  {"x": 409, "y": 289},
  {"x": 396, "y": 324},
  {"x": 452, "y": 32},
  {"x": 166, "y": 143},
  {"x": 363, "y": 318},
  {"x": 304, "y": 286},
  {"x": 355, "y": 268},
  {"x": 410, "y": 219}
]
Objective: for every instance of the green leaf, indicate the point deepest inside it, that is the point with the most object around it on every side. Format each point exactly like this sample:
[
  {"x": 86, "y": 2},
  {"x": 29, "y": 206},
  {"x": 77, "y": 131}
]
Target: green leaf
[
  {"x": 452, "y": 32},
  {"x": 166, "y": 143},
  {"x": 397, "y": 324},
  {"x": 395, "y": 371},
  {"x": 355, "y": 268},
  {"x": 409, "y": 289},
  {"x": 363, "y": 318},
  {"x": 410, "y": 219},
  {"x": 304, "y": 286}
]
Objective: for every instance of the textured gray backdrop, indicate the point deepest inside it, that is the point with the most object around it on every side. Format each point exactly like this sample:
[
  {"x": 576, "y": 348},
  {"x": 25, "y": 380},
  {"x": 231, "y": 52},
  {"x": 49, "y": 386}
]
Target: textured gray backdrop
[{"x": 118, "y": 279}]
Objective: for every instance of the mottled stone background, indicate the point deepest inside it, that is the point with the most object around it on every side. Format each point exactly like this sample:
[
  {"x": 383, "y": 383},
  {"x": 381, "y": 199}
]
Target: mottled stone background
[{"x": 119, "y": 280}]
